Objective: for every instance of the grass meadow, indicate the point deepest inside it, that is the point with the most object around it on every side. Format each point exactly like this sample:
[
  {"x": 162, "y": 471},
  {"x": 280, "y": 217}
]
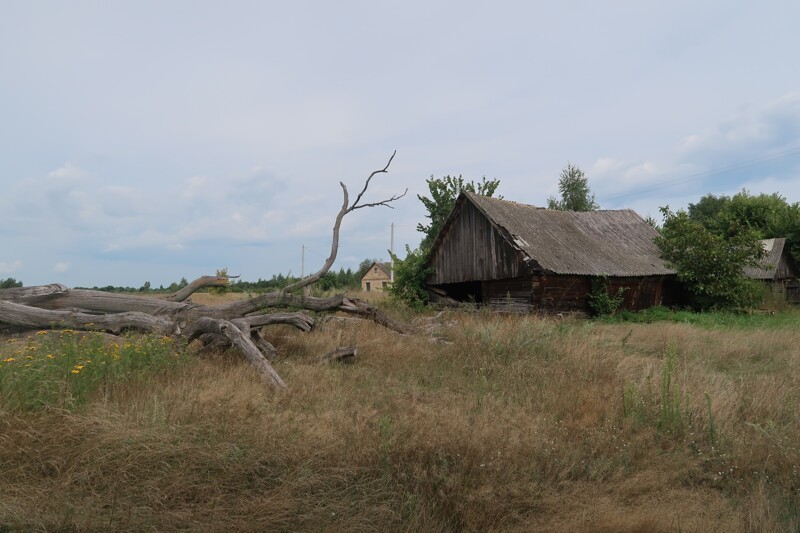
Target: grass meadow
[{"x": 505, "y": 423}]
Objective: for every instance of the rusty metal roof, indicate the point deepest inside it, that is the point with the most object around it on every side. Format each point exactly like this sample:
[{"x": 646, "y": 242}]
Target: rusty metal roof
[
  {"x": 616, "y": 243},
  {"x": 774, "y": 249}
]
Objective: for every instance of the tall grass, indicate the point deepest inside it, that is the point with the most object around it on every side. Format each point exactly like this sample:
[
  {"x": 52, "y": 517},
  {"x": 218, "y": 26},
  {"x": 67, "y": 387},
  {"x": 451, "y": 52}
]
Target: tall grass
[
  {"x": 785, "y": 318},
  {"x": 504, "y": 423},
  {"x": 63, "y": 368}
]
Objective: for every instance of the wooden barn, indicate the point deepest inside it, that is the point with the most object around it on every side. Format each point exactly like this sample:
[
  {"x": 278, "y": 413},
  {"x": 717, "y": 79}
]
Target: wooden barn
[
  {"x": 377, "y": 277},
  {"x": 504, "y": 253},
  {"x": 780, "y": 270}
]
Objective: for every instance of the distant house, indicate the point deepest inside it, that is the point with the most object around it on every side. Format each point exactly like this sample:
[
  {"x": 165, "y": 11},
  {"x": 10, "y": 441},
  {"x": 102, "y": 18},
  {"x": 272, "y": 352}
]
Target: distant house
[
  {"x": 377, "y": 277},
  {"x": 779, "y": 270},
  {"x": 499, "y": 252}
]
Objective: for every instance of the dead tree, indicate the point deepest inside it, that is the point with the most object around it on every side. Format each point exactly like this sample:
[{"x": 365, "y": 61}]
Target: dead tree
[{"x": 234, "y": 324}]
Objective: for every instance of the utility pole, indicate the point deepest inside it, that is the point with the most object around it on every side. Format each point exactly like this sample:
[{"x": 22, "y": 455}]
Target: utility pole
[
  {"x": 391, "y": 247},
  {"x": 306, "y": 289}
]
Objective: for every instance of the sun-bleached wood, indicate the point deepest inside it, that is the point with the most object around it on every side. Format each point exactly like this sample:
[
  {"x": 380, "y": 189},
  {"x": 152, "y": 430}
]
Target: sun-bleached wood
[{"x": 234, "y": 324}]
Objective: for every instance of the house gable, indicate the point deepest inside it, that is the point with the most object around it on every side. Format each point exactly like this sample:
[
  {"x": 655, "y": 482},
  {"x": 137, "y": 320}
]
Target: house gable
[
  {"x": 471, "y": 247},
  {"x": 377, "y": 277}
]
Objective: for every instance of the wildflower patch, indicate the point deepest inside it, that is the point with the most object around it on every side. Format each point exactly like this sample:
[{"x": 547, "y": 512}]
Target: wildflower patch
[{"x": 63, "y": 368}]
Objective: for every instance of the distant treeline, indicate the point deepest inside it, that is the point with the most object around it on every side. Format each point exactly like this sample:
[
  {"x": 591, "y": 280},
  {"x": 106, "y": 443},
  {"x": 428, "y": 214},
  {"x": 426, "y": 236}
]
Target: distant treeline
[{"x": 341, "y": 280}]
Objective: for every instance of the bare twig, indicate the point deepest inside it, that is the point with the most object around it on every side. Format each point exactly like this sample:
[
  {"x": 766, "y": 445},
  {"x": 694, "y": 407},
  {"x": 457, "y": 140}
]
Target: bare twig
[{"x": 346, "y": 208}]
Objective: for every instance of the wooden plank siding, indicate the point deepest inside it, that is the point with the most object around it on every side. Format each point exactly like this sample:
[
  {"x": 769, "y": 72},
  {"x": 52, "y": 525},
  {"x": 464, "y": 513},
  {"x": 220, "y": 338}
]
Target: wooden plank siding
[
  {"x": 565, "y": 293},
  {"x": 472, "y": 249},
  {"x": 784, "y": 270},
  {"x": 517, "y": 257}
]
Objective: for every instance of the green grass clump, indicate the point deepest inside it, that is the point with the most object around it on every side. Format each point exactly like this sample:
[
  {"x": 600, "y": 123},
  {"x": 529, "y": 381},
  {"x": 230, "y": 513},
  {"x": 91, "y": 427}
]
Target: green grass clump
[
  {"x": 63, "y": 368},
  {"x": 709, "y": 319}
]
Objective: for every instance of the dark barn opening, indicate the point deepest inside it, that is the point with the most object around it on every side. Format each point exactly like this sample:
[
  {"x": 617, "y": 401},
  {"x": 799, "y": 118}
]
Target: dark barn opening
[{"x": 468, "y": 291}]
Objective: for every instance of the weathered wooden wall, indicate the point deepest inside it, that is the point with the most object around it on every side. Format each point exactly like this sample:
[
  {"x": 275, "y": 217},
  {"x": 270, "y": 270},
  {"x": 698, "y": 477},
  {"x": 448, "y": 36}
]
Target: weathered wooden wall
[
  {"x": 472, "y": 249},
  {"x": 784, "y": 270},
  {"x": 563, "y": 293}
]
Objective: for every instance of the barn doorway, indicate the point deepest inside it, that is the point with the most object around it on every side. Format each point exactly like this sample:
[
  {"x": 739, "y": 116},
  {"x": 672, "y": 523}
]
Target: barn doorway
[{"x": 468, "y": 291}]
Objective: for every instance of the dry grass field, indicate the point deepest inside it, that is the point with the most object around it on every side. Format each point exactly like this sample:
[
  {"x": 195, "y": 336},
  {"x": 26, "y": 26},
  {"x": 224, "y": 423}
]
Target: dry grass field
[{"x": 513, "y": 424}]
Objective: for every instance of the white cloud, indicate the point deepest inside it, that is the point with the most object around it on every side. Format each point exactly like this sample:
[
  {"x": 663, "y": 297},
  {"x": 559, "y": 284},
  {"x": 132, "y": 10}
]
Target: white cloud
[
  {"x": 749, "y": 133},
  {"x": 10, "y": 268},
  {"x": 61, "y": 267},
  {"x": 279, "y": 113},
  {"x": 733, "y": 152},
  {"x": 68, "y": 173}
]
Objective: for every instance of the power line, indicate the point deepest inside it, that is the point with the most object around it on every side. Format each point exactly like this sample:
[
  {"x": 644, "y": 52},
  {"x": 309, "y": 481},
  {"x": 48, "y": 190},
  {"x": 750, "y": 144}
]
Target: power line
[{"x": 704, "y": 174}]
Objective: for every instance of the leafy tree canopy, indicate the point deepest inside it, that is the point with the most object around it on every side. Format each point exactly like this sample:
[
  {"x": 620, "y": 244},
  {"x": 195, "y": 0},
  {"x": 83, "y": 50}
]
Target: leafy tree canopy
[
  {"x": 711, "y": 265},
  {"x": 707, "y": 211},
  {"x": 9, "y": 283},
  {"x": 575, "y": 192},
  {"x": 409, "y": 278},
  {"x": 444, "y": 192},
  {"x": 768, "y": 215}
]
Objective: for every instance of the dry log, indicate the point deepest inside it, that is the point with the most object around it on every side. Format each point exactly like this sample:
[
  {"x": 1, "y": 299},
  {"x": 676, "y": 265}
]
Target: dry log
[
  {"x": 36, "y": 318},
  {"x": 365, "y": 310},
  {"x": 241, "y": 341},
  {"x": 199, "y": 283},
  {"x": 56, "y": 306},
  {"x": 340, "y": 355}
]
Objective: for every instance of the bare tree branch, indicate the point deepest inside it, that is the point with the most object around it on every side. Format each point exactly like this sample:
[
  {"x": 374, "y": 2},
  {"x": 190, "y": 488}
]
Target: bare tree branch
[
  {"x": 234, "y": 324},
  {"x": 199, "y": 283},
  {"x": 313, "y": 278},
  {"x": 384, "y": 170}
]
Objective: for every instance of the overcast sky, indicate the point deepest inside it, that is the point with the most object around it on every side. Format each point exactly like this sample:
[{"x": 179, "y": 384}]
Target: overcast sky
[{"x": 149, "y": 141}]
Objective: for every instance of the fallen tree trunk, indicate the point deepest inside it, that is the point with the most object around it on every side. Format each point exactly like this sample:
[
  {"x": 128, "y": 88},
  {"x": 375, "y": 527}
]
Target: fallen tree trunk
[
  {"x": 340, "y": 355},
  {"x": 234, "y": 324}
]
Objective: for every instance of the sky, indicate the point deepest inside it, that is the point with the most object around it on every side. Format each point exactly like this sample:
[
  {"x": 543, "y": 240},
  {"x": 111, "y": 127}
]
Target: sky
[{"x": 150, "y": 141}]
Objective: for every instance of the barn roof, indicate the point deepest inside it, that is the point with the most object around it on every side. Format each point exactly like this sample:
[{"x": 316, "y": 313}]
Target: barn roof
[
  {"x": 774, "y": 249},
  {"x": 594, "y": 243}
]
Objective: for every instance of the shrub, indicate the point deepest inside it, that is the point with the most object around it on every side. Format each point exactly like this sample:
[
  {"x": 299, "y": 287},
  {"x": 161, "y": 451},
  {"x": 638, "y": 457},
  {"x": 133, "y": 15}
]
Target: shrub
[
  {"x": 409, "y": 278},
  {"x": 711, "y": 265},
  {"x": 601, "y": 301}
]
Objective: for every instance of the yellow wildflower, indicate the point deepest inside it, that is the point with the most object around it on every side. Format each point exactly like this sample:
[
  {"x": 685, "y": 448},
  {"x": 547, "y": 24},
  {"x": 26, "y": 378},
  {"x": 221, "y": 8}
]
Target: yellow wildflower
[
  {"x": 51, "y": 356},
  {"x": 75, "y": 371},
  {"x": 9, "y": 360},
  {"x": 79, "y": 367},
  {"x": 41, "y": 332},
  {"x": 28, "y": 357},
  {"x": 28, "y": 365}
]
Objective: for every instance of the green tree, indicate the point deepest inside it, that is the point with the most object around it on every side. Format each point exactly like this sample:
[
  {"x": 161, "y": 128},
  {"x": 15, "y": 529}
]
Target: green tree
[
  {"x": 409, "y": 278},
  {"x": 575, "y": 192},
  {"x": 9, "y": 283},
  {"x": 444, "y": 192},
  {"x": 707, "y": 212},
  {"x": 769, "y": 215},
  {"x": 711, "y": 265}
]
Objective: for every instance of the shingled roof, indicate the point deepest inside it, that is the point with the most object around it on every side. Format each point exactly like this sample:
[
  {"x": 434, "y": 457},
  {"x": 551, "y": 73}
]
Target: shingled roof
[
  {"x": 595, "y": 243},
  {"x": 774, "y": 249}
]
